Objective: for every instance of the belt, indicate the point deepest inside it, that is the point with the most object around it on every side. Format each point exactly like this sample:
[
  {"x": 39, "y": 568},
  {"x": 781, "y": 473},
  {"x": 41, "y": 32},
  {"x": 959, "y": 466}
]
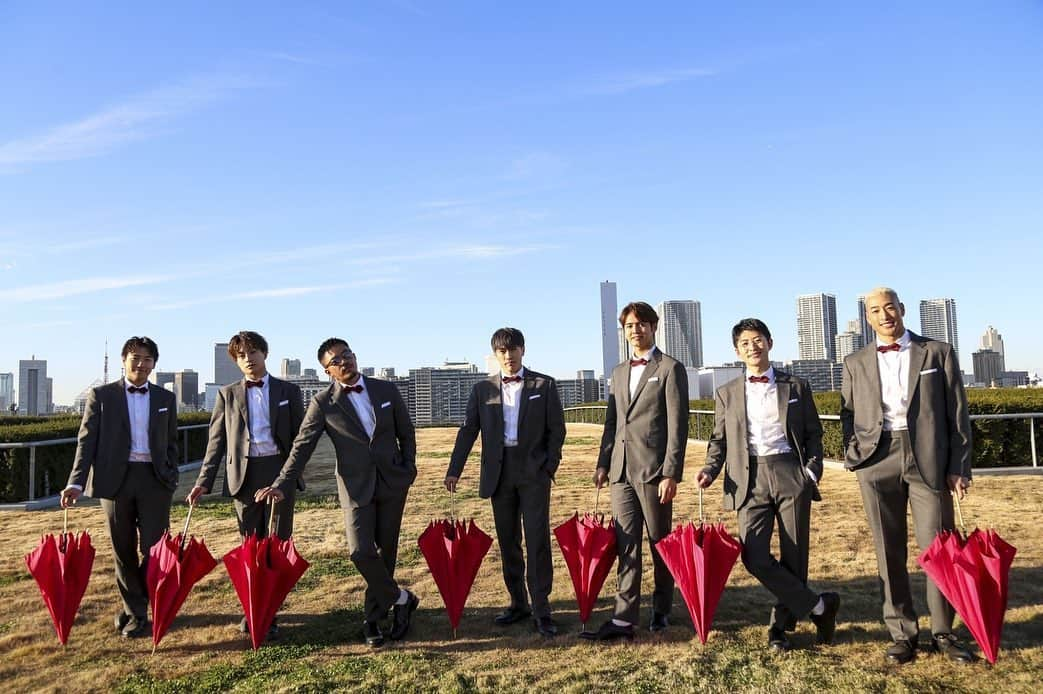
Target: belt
[{"x": 790, "y": 457}]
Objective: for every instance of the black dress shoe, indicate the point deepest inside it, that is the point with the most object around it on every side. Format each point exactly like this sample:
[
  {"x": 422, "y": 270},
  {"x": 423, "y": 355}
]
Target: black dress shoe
[
  {"x": 778, "y": 641},
  {"x": 402, "y": 615},
  {"x": 609, "y": 631},
  {"x": 371, "y": 632},
  {"x": 902, "y": 652},
  {"x": 121, "y": 621},
  {"x": 136, "y": 627},
  {"x": 952, "y": 648},
  {"x": 512, "y": 614},
  {"x": 826, "y": 623},
  {"x": 546, "y": 626},
  {"x": 659, "y": 622}
]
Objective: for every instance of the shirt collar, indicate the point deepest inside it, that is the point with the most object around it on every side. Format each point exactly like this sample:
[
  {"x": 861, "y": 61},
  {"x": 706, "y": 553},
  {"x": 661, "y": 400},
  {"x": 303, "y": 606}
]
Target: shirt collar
[
  {"x": 360, "y": 382},
  {"x": 647, "y": 355},
  {"x": 128, "y": 384},
  {"x": 521, "y": 373},
  {"x": 264, "y": 379},
  {"x": 770, "y": 373},
  {"x": 903, "y": 341}
]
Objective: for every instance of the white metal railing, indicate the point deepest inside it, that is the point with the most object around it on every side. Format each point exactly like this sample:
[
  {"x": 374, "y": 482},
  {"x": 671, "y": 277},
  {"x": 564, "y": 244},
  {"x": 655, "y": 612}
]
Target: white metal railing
[
  {"x": 33, "y": 445},
  {"x": 591, "y": 410}
]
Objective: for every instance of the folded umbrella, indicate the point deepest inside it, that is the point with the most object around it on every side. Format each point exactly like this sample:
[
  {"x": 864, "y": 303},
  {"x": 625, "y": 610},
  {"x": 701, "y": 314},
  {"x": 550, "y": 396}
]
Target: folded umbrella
[
  {"x": 62, "y": 568},
  {"x": 263, "y": 572},
  {"x": 973, "y": 574},
  {"x": 454, "y": 549},
  {"x": 175, "y": 565},
  {"x": 589, "y": 548},
  {"x": 700, "y": 558}
]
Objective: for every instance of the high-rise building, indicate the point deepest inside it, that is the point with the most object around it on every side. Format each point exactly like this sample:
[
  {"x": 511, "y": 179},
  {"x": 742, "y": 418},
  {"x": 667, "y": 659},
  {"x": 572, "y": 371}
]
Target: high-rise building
[
  {"x": 6, "y": 392},
  {"x": 186, "y": 388},
  {"x": 386, "y": 372},
  {"x": 823, "y": 375},
  {"x": 161, "y": 378},
  {"x": 847, "y": 343},
  {"x": 33, "y": 387},
  {"x": 609, "y": 329},
  {"x": 291, "y": 368},
  {"x": 624, "y": 348},
  {"x": 863, "y": 323},
  {"x": 992, "y": 340},
  {"x": 680, "y": 332},
  {"x": 938, "y": 322},
  {"x": 438, "y": 395},
  {"x": 988, "y": 367},
  {"x": 816, "y": 326},
  {"x": 576, "y": 391},
  {"x": 368, "y": 371},
  {"x": 225, "y": 369}
]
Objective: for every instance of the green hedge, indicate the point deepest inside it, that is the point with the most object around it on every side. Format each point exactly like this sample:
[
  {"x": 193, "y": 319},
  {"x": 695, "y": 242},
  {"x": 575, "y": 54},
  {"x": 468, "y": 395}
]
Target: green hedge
[
  {"x": 53, "y": 463},
  {"x": 997, "y": 443}
]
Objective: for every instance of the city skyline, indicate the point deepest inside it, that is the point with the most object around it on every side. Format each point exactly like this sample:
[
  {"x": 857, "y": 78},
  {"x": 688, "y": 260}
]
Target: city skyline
[{"x": 413, "y": 176}]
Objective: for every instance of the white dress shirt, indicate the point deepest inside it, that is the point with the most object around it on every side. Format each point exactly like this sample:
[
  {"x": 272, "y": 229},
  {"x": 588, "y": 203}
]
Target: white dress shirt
[
  {"x": 363, "y": 406},
  {"x": 764, "y": 432},
  {"x": 894, "y": 383},
  {"x": 511, "y": 401},
  {"x": 257, "y": 402},
  {"x": 636, "y": 371},
  {"x": 137, "y": 408}
]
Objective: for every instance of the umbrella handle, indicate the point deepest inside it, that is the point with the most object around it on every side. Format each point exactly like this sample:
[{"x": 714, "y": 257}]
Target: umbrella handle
[
  {"x": 701, "y": 520},
  {"x": 271, "y": 516},
  {"x": 184, "y": 531},
  {"x": 452, "y": 505},
  {"x": 65, "y": 522},
  {"x": 959, "y": 513},
  {"x": 597, "y": 494}
]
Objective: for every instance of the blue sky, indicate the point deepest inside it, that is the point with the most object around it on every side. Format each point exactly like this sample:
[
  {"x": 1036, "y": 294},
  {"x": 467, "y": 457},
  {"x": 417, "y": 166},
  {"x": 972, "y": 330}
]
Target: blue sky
[{"x": 412, "y": 175}]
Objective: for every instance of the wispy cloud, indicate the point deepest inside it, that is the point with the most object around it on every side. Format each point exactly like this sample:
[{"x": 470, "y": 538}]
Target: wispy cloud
[
  {"x": 82, "y": 244},
  {"x": 536, "y": 165},
  {"x": 139, "y": 117},
  {"x": 630, "y": 81},
  {"x": 59, "y": 290},
  {"x": 293, "y": 58},
  {"x": 281, "y": 292}
]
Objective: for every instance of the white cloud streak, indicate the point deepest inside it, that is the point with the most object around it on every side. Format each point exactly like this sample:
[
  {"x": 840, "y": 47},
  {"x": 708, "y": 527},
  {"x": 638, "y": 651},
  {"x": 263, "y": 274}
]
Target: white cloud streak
[
  {"x": 60, "y": 290},
  {"x": 631, "y": 81},
  {"x": 281, "y": 292}
]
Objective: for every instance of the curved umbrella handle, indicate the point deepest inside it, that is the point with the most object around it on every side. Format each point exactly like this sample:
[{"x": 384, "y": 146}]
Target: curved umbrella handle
[
  {"x": 184, "y": 531},
  {"x": 959, "y": 514}
]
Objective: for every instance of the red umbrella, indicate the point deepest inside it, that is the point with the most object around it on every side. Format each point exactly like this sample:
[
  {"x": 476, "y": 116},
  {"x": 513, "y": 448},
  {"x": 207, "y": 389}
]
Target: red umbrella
[
  {"x": 454, "y": 550},
  {"x": 700, "y": 558},
  {"x": 62, "y": 568},
  {"x": 263, "y": 572},
  {"x": 589, "y": 548},
  {"x": 175, "y": 564},
  {"x": 973, "y": 576}
]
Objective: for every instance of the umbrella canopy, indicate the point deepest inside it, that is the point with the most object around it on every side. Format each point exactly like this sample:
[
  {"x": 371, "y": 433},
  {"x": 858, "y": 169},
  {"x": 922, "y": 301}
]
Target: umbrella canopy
[
  {"x": 454, "y": 550},
  {"x": 175, "y": 565},
  {"x": 973, "y": 576},
  {"x": 62, "y": 567},
  {"x": 700, "y": 558},
  {"x": 589, "y": 548}
]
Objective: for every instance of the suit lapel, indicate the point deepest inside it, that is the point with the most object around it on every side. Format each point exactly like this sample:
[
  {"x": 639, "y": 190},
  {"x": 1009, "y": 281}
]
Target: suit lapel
[
  {"x": 650, "y": 368},
  {"x": 737, "y": 394},
  {"x": 528, "y": 388},
  {"x": 240, "y": 403},
  {"x": 495, "y": 402},
  {"x": 917, "y": 355},
  {"x": 374, "y": 396},
  {"x": 782, "y": 391},
  {"x": 274, "y": 397},
  {"x": 340, "y": 398},
  {"x": 121, "y": 403}
]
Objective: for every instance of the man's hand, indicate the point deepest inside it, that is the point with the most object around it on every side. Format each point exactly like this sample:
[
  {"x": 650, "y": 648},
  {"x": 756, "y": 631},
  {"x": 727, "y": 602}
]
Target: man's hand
[
  {"x": 667, "y": 490},
  {"x": 265, "y": 493},
  {"x": 703, "y": 480},
  {"x": 450, "y": 482},
  {"x": 600, "y": 477},
  {"x": 193, "y": 496},
  {"x": 958, "y": 485},
  {"x": 70, "y": 495}
]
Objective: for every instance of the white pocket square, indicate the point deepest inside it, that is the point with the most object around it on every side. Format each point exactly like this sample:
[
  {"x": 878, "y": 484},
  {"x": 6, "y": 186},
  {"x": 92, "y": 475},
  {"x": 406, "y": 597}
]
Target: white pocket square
[
  {"x": 162, "y": 409},
  {"x": 386, "y": 404},
  {"x": 283, "y": 403},
  {"x": 653, "y": 379},
  {"x": 928, "y": 371},
  {"x": 533, "y": 397},
  {"x": 794, "y": 400}
]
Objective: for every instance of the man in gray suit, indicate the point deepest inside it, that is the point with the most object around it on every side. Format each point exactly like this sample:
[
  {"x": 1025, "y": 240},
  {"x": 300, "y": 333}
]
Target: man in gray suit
[
  {"x": 768, "y": 439},
  {"x": 375, "y": 444},
  {"x": 642, "y": 456},
  {"x": 907, "y": 436},
  {"x": 252, "y": 428},
  {"x": 519, "y": 415},
  {"x": 126, "y": 456}
]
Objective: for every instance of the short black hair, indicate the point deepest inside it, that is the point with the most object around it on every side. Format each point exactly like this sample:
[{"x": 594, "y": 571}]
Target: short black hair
[
  {"x": 644, "y": 312},
  {"x": 329, "y": 343},
  {"x": 244, "y": 341},
  {"x": 142, "y": 342},
  {"x": 507, "y": 338},
  {"x": 754, "y": 324}
]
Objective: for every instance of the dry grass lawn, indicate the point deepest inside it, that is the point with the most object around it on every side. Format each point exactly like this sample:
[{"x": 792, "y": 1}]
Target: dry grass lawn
[{"x": 320, "y": 647}]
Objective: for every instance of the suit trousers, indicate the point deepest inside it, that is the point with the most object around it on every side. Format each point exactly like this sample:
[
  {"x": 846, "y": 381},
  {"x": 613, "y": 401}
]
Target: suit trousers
[
  {"x": 636, "y": 508},
  {"x": 780, "y": 491},
  {"x": 373, "y": 531},
  {"x": 521, "y": 502},
  {"x": 137, "y": 516},
  {"x": 254, "y": 517},
  {"x": 890, "y": 481}
]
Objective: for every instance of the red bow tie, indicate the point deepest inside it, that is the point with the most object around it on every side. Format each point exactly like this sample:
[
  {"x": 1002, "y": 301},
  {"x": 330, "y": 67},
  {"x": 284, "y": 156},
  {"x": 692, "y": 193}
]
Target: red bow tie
[
  {"x": 255, "y": 384},
  {"x": 133, "y": 389},
  {"x": 638, "y": 362},
  {"x": 758, "y": 379},
  {"x": 511, "y": 379},
  {"x": 354, "y": 389},
  {"x": 893, "y": 347}
]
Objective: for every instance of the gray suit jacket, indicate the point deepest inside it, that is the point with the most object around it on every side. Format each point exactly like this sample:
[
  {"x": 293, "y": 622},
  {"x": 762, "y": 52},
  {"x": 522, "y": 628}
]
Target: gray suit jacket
[
  {"x": 938, "y": 419},
  {"x": 729, "y": 443},
  {"x": 541, "y": 429},
  {"x": 230, "y": 431},
  {"x": 103, "y": 448},
  {"x": 391, "y": 454},
  {"x": 645, "y": 437}
]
